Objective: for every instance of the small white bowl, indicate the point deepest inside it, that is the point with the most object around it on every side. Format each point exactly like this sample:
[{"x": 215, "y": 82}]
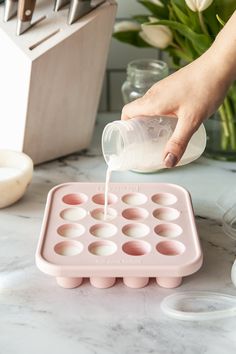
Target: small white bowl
[{"x": 16, "y": 170}]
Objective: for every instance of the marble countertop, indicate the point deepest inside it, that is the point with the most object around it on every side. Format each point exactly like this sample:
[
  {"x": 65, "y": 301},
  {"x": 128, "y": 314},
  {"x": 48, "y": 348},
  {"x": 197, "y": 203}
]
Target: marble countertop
[{"x": 37, "y": 316}]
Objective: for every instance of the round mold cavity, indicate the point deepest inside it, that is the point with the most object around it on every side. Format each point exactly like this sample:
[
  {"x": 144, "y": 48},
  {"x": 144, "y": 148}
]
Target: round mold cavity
[
  {"x": 136, "y": 248},
  {"x": 102, "y": 248},
  {"x": 166, "y": 214},
  {"x": 134, "y": 199},
  {"x": 137, "y": 230},
  {"x": 164, "y": 199},
  {"x": 75, "y": 198},
  {"x": 73, "y": 214},
  {"x": 103, "y": 230},
  {"x": 170, "y": 248},
  {"x": 135, "y": 214},
  {"x": 71, "y": 230},
  {"x": 68, "y": 248},
  {"x": 100, "y": 198},
  {"x": 98, "y": 214},
  {"x": 168, "y": 230}
]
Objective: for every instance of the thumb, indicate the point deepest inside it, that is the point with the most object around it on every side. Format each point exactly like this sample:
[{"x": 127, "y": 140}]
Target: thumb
[{"x": 179, "y": 140}]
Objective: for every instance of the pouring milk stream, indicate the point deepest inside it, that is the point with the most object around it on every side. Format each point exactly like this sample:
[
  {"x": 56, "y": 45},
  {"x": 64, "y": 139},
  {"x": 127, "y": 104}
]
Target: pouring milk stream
[{"x": 137, "y": 144}]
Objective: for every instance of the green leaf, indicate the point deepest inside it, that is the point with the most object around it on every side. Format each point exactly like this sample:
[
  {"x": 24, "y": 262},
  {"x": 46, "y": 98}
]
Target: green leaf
[
  {"x": 220, "y": 20},
  {"x": 141, "y": 18},
  {"x": 159, "y": 11},
  {"x": 179, "y": 39},
  {"x": 200, "y": 41},
  {"x": 181, "y": 15},
  {"x": 172, "y": 15},
  {"x": 186, "y": 45},
  {"x": 185, "y": 16},
  {"x": 181, "y": 4},
  {"x": 131, "y": 37},
  {"x": 175, "y": 58},
  {"x": 225, "y": 8},
  {"x": 190, "y": 49},
  {"x": 232, "y": 93},
  {"x": 180, "y": 54},
  {"x": 209, "y": 16},
  {"x": 193, "y": 16}
]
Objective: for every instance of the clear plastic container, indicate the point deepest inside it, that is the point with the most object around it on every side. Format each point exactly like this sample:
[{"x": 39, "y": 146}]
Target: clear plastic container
[
  {"x": 199, "y": 305},
  {"x": 227, "y": 203},
  {"x": 138, "y": 144}
]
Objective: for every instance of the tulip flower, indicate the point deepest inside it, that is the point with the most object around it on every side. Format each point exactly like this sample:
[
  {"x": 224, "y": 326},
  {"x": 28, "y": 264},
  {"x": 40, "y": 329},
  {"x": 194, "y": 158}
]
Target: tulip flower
[
  {"x": 152, "y": 19},
  {"x": 158, "y": 36},
  {"x": 125, "y": 26},
  {"x": 198, "y": 5},
  {"x": 157, "y": 2}
]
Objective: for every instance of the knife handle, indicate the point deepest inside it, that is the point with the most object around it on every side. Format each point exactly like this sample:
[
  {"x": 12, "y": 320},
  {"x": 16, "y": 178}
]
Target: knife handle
[{"x": 25, "y": 10}]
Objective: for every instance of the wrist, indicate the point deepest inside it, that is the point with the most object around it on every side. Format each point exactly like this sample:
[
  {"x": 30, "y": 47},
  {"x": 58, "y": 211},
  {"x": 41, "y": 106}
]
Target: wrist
[
  {"x": 221, "y": 59},
  {"x": 223, "y": 50}
]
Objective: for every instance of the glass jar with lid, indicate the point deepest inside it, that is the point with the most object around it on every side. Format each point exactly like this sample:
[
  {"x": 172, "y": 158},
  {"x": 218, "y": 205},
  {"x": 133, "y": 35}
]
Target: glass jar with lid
[{"x": 141, "y": 75}]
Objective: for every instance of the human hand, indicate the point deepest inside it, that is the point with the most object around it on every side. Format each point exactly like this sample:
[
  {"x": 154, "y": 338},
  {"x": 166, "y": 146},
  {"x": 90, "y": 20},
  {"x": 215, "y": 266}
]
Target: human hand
[{"x": 191, "y": 94}]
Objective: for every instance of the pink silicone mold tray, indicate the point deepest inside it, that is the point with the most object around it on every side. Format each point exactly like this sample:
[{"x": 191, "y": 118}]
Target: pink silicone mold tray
[{"x": 150, "y": 233}]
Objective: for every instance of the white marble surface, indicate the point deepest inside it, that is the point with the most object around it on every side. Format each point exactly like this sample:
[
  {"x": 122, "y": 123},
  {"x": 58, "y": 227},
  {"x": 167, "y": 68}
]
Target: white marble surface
[{"x": 37, "y": 316}]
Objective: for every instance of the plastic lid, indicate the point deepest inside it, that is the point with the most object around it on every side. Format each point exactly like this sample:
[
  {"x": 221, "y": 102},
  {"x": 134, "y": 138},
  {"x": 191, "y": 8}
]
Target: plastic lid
[
  {"x": 227, "y": 203},
  {"x": 199, "y": 305},
  {"x": 229, "y": 222}
]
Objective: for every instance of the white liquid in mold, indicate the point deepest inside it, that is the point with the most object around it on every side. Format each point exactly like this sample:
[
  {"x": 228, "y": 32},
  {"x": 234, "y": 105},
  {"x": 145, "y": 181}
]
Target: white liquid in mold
[
  {"x": 104, "y": 231},
  {"x": 73, "y": 231},
  {"x": 136, "y": 230},
  {"x": 104, "y": 250},
  {"x": 69, "y": 250},
  {"x": 134, "y": 199},
  {"x": 100, "y": 215},
  {"x": 73, "y": 214}
]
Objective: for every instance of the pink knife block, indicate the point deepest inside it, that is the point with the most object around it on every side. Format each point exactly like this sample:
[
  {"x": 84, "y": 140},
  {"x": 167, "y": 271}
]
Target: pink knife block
[
  {"x": 50, "y": 80},
  {"x": 150, "y": 233}
]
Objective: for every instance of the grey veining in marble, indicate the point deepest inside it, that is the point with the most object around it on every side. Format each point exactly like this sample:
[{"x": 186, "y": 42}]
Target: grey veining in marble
[{"x": 37, "y": 316}]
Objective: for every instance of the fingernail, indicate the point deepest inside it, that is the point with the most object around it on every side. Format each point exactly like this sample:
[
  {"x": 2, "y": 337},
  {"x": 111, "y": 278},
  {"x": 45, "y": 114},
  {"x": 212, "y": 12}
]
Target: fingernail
[{"x": 170, "y": 160}]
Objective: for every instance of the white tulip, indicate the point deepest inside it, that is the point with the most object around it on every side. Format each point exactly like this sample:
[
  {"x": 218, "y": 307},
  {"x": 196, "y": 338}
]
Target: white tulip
[
  {"x": 157, "y": 36},
  {"x": 157, "y": 2},
  {"x": 125, "y": 26},
  {"x": 152, "y": 19},
  {"x": 198, "y": 5}
]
